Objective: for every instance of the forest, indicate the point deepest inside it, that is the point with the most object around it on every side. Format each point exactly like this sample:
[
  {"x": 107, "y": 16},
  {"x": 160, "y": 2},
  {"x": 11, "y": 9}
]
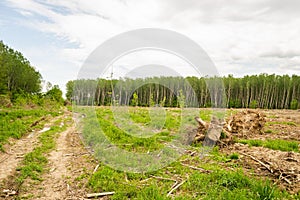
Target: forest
[
  {"x": 255, "y": 91},
  {"x": 21, "y": 83}
]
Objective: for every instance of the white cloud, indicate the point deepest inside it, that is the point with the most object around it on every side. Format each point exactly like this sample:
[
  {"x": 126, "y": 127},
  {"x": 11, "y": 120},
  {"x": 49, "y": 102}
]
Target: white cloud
[{"x": 249, "y": 36}]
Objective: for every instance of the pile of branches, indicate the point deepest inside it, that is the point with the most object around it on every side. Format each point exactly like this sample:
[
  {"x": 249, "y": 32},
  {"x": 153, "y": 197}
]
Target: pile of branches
[{"x": 242, "y": 124}]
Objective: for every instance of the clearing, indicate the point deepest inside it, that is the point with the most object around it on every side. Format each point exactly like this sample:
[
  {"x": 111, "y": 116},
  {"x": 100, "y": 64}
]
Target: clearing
[{"x": 54, "y": 164}]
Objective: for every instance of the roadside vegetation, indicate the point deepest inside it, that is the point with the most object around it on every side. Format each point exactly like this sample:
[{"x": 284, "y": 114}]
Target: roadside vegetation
[
  {"x": 34, "y": 162},
  {"x": 14, "y": 123}
]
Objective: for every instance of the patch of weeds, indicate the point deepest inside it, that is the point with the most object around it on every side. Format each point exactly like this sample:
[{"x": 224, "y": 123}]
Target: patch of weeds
[
  {"x": 234, "y": 156},
  {"x": 256, "y": 143},
  {"x": 205, "y": 114},
  {"x": 283, "y": 123},
  {"x": 268, "y": 131},
  {"x": 277, "y": 144},
  {"x": 216, "y": 155},
  {"x": 272, "y": 116},
  {"x": 223, "y": 184}
]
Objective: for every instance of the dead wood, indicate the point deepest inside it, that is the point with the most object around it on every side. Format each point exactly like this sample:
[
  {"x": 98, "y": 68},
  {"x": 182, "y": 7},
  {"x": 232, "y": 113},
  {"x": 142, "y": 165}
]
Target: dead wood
[
  {"x": 36, "y": 122},
  {"x": 101, "y": 194},
  {"x": 242, "y": 125},
  {"x": 260, "y": 162},
  {"x": 175, "y": 188},
  {"x": 97, "y": 166},
  {"x": 196, "y": 168}
]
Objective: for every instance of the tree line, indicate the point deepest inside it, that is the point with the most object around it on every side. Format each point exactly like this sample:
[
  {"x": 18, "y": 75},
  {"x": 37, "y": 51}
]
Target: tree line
[
  {"x": 255, "y": 91},
  {"x": 20, "y": 82},
  {"x": 16, "y": 73}
]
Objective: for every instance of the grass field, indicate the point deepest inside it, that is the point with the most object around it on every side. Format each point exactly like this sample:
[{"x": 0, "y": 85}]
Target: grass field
[
  {"x": 215, "y": 176},
  {"x": 141, "y": 154}
]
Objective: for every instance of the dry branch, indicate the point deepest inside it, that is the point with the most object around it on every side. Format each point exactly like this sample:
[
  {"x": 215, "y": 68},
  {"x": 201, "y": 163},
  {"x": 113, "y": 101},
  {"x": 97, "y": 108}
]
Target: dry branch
[
  {"x": 260, "y": 162},
  {"x": 97, "y": 166},
  {"x": 162, "y": 178},
  {"x": 101, "y": 194},
  {"x": 175, "y": 188},
  {"x": 196, "y": 168}
]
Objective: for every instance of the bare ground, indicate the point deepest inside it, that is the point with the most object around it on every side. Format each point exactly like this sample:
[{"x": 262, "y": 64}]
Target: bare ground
[
  {"x": 16, "y": 149},
  {"x": 282, "y": 167},
  {"x": 66, "y": 163}
]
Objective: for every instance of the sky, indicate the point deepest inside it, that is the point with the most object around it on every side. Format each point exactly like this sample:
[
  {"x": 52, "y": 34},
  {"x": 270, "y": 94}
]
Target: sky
[{"x": 242, "y": 37}]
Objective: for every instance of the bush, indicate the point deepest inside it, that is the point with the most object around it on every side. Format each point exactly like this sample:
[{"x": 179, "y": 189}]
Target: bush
[
  {"x": 5, "y": 101},
  {"x": 294, "y": 104},
  {"x": 253, "y": 104}
]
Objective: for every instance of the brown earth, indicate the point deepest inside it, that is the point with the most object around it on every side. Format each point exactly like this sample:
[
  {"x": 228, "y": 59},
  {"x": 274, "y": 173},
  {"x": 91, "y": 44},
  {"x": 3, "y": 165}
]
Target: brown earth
[
  {"x": 67, "y": 162},
  {"x": 16, "y": 149},
  {"x": 282, "y": 167}
]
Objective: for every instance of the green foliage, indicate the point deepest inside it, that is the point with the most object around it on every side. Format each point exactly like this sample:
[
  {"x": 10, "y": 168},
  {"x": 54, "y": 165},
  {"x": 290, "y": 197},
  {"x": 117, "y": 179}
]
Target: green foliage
[
  {"x": 283, "y": 123},
  {"x": 180, "y": 99},
  {"x": 294, "y": 104},
  {"x": 70, "y": 89},
  {"x": 16, "y": 122},
  {"x": 242, "y": 92},
  {"x": 234, "y": 156},
  {"x": 253, "y": 104},
  {"x": 220, "y": 183},
  {"x": 16, "y": 73},
  {"x": 55, "y": 94},
  {"x": 5, "y": 101},
  {"x": 135, "y": 100},
  {"x": 277, "y": 144}
]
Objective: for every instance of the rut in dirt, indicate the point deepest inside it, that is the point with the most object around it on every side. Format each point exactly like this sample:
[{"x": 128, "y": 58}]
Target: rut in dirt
[
  {"x": 14, "y": 154},
  {"x": 69, "y": 160}
]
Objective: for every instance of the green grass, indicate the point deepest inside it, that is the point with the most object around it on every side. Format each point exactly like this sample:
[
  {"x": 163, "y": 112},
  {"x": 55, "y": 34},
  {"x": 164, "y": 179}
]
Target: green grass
[
  {"x": 123, "y": 133},
  {"x": 221, "y": 183},
  {"x": 34, "y": 162},
  {"x": 14, "y": 123},
  {"x": 282, "y": 123},
  {"x": 277, "y": 144},
  {"x": 234, "y": 156}
]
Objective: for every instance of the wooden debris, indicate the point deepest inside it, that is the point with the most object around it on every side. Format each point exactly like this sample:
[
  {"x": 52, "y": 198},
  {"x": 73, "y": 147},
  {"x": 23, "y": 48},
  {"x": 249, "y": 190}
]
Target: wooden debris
[
  {"x": 101, "y": 194},
  {"x": 175, "y": 188},
  {"x": 242, "y": 124},
  {"x": 36, "y": 122},
  {"x": 97, "y": 166},
  {"x": 162, "y": 178},
  {"x": 196, "y": 168},
  {"x": 260, "y": 162},
  {"x": 9, "y": 192}
]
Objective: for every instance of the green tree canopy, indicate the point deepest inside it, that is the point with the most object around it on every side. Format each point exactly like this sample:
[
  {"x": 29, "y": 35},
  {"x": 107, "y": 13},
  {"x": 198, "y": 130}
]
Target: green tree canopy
[{"x": 16, "y": 73}]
